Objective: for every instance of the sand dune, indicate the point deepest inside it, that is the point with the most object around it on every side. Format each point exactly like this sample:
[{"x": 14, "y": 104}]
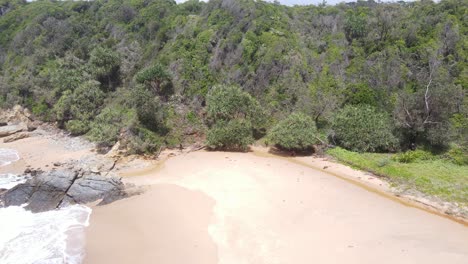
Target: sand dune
[{"x": 215, "y": 207}]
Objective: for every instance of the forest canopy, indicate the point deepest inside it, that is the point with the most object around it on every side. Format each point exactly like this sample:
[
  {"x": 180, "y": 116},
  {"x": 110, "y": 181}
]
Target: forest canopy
[{"x": 154, "y": 62}]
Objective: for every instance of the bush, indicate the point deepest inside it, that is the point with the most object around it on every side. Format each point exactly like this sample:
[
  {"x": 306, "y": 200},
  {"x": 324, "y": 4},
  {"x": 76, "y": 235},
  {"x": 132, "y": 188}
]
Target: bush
[
  {"x": 77, "y": 127},
  {"x": 233, "y": 116},
  {"x": 412, "y": 156},
  {"x": 296, "y": 132},
  {"x": 457, "y": 155},
  {"x": 233, "y": 135},
  {"x": 150, "y": 110},
  {"x": 143, "y": 141},
  {"x": 156, "y": 78},
  {"x": 230, "y": 102},
  {"x": 105, "y": 129},
  {"x": 363, "y": 128}
]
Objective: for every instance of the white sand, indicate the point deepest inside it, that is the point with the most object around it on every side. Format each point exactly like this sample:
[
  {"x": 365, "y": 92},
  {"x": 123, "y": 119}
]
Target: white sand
[{"x": 236, "y": 208}]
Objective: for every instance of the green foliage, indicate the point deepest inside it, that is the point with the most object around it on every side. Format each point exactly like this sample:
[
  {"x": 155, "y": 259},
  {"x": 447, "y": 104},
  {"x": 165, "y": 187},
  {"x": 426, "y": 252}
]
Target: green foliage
[
  {"x": 87, "y": 100},
  {"x": 436, "y": 176},
  {"x": 150, "y": 110},
  {"x": 106, "y": 127},
  {"x": 356, "y": 24},
  {"x": 408, "y": 60},
  {"x": 235, "y": 134},
  {"x": 104, "y": 65},
  {"x": 457, "y": 155},
  {"x": 156, "y": 78},
  {"x": 413, "y": 156},
  {"x": 296, "y": 132},
  {"x": 360, "y": 94},
  {"x": 143, "y": 141},
  {"x": 230, "y": 102},
  {"x": 363, "y": 128},
  {"x": 233, "y": 115},
  {"x": 77, "y": 127},
  {"x": 62, "y": 108}
]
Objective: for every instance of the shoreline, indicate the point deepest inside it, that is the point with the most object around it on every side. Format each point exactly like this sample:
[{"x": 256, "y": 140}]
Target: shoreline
[
  {"x": 229, "y": 207},
  {"x": 62, "y": 148},
  {"x": 363, "y": 179}
]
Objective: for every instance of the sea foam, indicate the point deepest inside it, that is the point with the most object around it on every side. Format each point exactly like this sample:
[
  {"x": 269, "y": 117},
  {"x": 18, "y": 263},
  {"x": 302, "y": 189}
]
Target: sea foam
[
  {"x": 52, "y": 237},
  {"x": 28, "y": 238},
  {"x": 8, "y": 156}
]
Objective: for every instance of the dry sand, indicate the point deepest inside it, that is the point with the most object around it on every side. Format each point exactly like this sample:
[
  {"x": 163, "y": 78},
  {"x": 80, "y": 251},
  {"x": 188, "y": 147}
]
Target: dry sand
[
  {"x": 236, "y": 208},
  {"x": 41, "y": 152}
]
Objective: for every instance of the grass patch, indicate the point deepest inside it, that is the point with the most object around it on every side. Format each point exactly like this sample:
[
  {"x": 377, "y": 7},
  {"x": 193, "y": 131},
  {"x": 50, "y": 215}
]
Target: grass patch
[{"x": 435, "y": 176}]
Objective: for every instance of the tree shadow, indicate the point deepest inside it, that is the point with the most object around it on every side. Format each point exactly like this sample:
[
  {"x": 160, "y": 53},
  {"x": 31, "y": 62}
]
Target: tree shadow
[{"x": 291, "y": 153}]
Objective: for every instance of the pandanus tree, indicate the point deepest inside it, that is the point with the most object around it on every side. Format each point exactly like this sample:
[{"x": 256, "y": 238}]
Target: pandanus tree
[{"x": 157, "y": 79}]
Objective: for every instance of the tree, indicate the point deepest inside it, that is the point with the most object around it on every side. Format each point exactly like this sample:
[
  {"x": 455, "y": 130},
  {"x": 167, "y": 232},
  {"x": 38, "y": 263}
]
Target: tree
[
  {"x": 363, "y": 128},
  {"x": 150, "y": 110},
  {"x": 423, "y": 114},
  {"x": 233, "y": 115},
  {"x": 105, "y": 64},
  {"x": 235, "y": 134},
  {"x": 156, "y": 78},
  {"x": 296, "y": 132},
  {"x": 230, "y": 102},
  {"x": 75, "y": 109}
]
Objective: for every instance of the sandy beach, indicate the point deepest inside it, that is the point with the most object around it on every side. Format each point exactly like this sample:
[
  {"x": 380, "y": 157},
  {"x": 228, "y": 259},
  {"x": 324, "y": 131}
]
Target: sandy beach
[
  {"x": 42, "y": 151},
  {"x": 217, "y": 207},
  {"x": 231, "y": 208}
]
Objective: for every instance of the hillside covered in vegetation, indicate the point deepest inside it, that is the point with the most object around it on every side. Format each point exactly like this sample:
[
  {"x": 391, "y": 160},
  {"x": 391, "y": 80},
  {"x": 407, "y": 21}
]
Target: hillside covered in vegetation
[{"x": 367, "y": 76}]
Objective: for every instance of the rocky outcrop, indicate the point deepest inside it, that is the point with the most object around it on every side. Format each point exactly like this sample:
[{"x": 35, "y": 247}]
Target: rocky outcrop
[
  {"x": 6, "y": 131},
  {"x": 15, "y": 137},
  {"x": 16, "y": 120},
  {"x": 57, "y": 188}
]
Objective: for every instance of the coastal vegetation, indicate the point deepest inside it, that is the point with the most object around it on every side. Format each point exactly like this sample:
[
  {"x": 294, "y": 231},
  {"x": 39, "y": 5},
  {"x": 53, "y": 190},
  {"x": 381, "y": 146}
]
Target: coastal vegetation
[
  {"x": 386, "y": 82},
  {"x": 437, "y": 175},
  {"x": 295, "y": 132}
]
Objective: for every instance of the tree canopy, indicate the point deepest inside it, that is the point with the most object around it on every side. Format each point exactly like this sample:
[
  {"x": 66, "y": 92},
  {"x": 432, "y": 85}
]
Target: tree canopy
[{"x": 405, "y": 59}]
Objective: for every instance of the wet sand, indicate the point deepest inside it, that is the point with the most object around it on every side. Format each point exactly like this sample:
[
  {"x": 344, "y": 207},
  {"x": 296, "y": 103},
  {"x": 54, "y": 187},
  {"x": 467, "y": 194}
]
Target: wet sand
[{"x": 245, "y": 208}]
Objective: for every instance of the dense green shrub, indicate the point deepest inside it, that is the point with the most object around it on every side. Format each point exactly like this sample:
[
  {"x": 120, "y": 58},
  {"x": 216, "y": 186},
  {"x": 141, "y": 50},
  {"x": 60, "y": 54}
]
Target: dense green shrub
[
  {"x": 156, "y": 78},
  {"x": 296, "y": 132},
  {"x": 232, "y": 135},
  {"x": 87, "y": 100},
  {"x": 412, "y": 156},
  {"x": 233, "y": 115},
  {"x": 457, "y": 155},
  {"x": 363, "y": 128},
  {"x": 77, "y": 127},
  {"x": 231, "y": 102},
  {"x": 81, "y": 104},
  {"x": 143, "y": 141},
  {"x": 106, "y": 127},
  {"x": 150, "y": 110}
]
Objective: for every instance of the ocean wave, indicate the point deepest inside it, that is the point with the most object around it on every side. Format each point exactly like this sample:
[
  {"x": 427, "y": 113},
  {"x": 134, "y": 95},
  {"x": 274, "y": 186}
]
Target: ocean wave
[
  {"x": 8, "y": 180},
  {"x": 53, "y": 237},
  {"x": 7, "y": 156}
]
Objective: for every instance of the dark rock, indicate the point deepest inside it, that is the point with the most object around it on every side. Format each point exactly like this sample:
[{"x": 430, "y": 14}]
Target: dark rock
[
  {"x": 3, "y": 123},
  {"x": 93, "y": 187},
  {"x": 50, "y": 190}
]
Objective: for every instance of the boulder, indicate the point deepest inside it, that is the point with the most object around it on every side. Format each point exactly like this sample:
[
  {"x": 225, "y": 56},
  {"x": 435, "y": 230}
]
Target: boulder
[
  {"x": 93, "y": 187},
  {"x": 51, "y": 190},
  {"x": 15, "y": 137},
  {"x": 10, "y": 130}
]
